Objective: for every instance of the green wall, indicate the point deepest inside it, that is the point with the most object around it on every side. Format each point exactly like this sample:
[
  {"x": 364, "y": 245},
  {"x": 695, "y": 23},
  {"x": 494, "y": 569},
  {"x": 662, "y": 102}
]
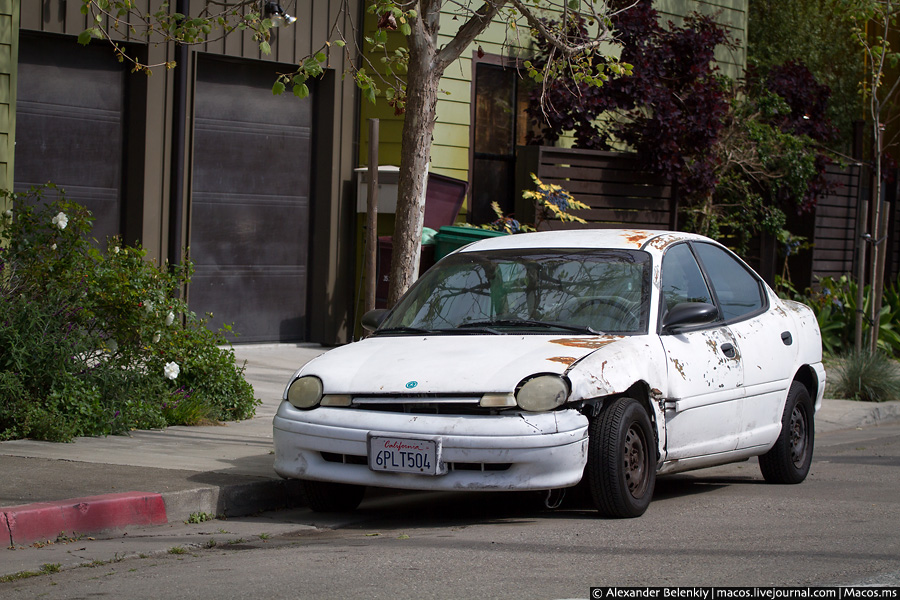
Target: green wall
[{"x": 9, "y": 57}]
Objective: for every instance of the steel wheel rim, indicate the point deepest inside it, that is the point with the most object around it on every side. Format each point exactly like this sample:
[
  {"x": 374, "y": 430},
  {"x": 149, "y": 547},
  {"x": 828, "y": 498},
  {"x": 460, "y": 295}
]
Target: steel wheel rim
[
  {"x": 799, "y": 436},
  {"x": 635, "y": 459}
]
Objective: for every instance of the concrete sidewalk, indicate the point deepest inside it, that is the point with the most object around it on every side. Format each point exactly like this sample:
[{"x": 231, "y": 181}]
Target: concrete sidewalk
[{"x": 151, "y": 477}]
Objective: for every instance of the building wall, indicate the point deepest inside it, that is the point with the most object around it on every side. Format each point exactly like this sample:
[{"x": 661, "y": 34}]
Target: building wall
[
  {"x": 154, "y": 116},
  {"x": 450, "y": 152},
  {"x": 731, "y": 13},
  {"x": 9, "y": 39}
]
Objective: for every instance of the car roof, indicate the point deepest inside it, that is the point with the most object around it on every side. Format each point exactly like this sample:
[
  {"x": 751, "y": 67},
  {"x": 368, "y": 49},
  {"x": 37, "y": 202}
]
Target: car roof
[{"x": 627, "y": 239}]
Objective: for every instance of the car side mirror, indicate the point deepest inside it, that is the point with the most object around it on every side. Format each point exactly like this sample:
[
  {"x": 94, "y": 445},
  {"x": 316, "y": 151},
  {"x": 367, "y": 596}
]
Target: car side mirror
[
  {"x": 688, "y": 314},
  {"x": 372, "y": 319}
]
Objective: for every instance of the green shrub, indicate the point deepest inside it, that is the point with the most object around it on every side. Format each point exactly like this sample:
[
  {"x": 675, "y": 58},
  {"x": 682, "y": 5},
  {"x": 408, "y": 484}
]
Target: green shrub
[
  {"x": 835, "y": 306},
  {"x": 100, "y": 342},
  {"x": 866, "y": 376}
]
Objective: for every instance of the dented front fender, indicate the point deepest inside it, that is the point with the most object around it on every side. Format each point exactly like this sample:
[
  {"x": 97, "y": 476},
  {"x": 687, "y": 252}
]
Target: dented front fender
[{"x": 615, "y": 367}]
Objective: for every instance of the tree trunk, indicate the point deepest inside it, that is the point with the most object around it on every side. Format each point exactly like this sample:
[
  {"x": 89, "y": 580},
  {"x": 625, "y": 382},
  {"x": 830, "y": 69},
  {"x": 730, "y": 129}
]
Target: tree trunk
[{"x": 423, "y": 78}]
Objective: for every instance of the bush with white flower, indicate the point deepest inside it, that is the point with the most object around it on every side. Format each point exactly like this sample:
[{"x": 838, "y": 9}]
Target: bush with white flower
[{"x": 98, "y": 341}]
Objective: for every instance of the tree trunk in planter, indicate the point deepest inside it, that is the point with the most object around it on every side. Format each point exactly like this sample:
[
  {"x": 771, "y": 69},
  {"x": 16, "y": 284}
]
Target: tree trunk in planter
[{"x": 423, "y": 77}]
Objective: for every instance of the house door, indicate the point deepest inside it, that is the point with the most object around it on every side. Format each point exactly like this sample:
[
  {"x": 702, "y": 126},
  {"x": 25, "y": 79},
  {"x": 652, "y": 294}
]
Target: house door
[
  {"x": 250, "y": 209},
  {"x": 497, "y": 127}
]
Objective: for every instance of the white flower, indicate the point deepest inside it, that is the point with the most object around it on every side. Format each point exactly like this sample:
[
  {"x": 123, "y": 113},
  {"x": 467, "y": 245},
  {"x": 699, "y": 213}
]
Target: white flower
[
  {"x": 171, "y": 370},
  {"x": 53, "y": 247},
  {"x": 170, "y": 318},
  {"x": 116, "y": 250},
  {"x": 148, "y": 306},
  {"x": 156, "y": 338},
  {"x": 61, "y": 220},
  {"x": 9, "y": 213}
]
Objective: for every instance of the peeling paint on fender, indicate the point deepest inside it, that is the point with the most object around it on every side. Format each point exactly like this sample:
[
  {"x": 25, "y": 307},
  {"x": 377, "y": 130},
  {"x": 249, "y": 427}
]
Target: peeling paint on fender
[
  {"x": 566, "y": 360},
  {"x": 591, "y": 343}
]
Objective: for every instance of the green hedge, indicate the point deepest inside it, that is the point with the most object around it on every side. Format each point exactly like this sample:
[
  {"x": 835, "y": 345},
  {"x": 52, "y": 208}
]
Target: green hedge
[{"x": 96, "y": 342}]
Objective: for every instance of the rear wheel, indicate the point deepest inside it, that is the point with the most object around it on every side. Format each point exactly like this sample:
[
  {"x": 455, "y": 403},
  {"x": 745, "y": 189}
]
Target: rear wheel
[
  {"x": 323, "y": 496},
  {"x": 621, "y": 468},
  {"x": 789, "y": 459}
]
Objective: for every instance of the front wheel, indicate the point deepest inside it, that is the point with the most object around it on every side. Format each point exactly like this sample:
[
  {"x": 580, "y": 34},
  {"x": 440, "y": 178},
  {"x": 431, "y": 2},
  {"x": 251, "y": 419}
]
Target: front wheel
[
  {"x": 789, "y": 459},
  {"x": 323, "y": 496},
  {"x": 621, "y": 468}
]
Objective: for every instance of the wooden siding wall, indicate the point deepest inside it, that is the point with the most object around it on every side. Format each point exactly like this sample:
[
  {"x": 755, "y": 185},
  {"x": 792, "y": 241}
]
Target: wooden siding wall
[
  {"x": 619, "y": 194},
  {"x": 730, "y": 13},
  {"x": 9, "y": 57}
]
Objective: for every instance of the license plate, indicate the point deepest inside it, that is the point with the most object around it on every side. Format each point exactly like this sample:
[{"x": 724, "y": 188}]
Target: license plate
[{"x": 405, "y": 455}]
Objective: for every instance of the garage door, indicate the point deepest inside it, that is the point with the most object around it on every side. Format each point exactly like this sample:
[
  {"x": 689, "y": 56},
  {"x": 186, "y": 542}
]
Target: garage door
[
  {"x": 69, "y": 124},
  {"x": 249, "y": 222}
]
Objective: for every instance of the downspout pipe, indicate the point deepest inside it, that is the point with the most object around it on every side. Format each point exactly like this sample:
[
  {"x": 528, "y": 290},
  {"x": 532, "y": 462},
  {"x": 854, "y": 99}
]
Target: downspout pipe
[{"x": 179, "y": 137}]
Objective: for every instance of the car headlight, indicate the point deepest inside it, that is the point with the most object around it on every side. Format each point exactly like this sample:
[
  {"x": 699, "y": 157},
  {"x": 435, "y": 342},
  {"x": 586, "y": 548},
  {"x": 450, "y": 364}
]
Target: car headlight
[
  {"x": 542, "y": 393},
  {"x": 305, "y": 392}
]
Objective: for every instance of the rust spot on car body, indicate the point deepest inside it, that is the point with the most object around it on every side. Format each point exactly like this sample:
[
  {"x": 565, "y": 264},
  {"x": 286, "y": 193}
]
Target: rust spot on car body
[
  {"x": 636, "y": 237},
  {"x": 590, "y": 343},
  {"x": 566, "y": 360}
]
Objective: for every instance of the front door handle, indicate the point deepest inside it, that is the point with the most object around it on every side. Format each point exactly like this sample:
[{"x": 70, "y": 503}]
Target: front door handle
[{"x": 728, "y": 350}]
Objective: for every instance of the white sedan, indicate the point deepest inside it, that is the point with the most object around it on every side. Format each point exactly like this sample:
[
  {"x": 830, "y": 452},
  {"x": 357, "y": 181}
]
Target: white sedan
[{"x": 533, "y": 361}]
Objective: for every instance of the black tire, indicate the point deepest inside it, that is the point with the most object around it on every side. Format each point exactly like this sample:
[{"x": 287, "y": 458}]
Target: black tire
[
  {"x": 621, "y": 467},
  {"x": 323, "y": 496},
  {"x": 789, "y": 459}
]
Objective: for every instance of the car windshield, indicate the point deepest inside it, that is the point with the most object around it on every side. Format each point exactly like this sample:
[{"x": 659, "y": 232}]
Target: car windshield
[{"x": 528, "y": 291}]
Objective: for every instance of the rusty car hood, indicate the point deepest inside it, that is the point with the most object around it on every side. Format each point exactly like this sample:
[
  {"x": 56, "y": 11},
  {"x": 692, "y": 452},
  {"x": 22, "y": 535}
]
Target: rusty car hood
[{"x": 448, "y": 364}]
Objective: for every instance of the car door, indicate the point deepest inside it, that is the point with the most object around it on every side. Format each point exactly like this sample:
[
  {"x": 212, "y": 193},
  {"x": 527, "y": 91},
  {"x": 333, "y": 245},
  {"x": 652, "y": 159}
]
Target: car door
[
  {"x": 705, "y": 373},
  {"x": 763, "y": 338}
]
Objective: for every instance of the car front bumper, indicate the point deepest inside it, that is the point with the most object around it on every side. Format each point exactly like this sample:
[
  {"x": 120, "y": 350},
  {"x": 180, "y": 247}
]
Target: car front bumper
[{"x": 520, "y": 451}]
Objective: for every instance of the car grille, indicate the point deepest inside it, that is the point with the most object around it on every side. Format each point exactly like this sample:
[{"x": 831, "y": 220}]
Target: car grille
[{"x": 423, "y": 405}]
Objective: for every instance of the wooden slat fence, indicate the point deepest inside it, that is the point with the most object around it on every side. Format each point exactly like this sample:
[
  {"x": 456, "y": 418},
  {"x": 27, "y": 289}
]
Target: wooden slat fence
[
  {"x": 618, "y": 192},
  {"x": 834, "y": 236},
  {"x": 622, "y": 195}
]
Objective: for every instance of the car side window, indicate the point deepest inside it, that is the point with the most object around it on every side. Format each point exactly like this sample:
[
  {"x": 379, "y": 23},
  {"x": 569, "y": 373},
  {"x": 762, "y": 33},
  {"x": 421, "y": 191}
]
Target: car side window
[
  {"x": 738, "y": 290},
  {"x": 682, "y": 280}
]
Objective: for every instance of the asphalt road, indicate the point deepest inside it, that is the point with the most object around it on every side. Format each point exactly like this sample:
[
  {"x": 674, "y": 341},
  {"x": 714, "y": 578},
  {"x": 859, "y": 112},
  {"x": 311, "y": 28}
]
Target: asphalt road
[{"x": 717, "y": 527}]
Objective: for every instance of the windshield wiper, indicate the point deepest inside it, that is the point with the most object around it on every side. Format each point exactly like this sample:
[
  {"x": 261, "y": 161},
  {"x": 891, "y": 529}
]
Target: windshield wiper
[
  {"x": 530, "y": 323},
  {"x": 402, "y": 330},
  {"x": 473, "y": 328}
]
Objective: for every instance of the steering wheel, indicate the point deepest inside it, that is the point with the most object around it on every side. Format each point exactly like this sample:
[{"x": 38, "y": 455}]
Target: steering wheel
[{"x": 624, "y": 318}]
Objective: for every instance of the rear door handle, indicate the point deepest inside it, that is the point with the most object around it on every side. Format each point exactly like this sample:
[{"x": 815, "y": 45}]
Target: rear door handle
[
  {"x": 787, "y": 338},
  {"x": 728, "y": 350}
]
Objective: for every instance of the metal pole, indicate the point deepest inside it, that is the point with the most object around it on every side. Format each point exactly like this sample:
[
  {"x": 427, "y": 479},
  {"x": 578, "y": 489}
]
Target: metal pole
[
  {"x": 878, "y": 283},
  {"x": 179, "y": 141},
  {"x": 372, "y": 216},
  {"x": 862, "y": 240}
]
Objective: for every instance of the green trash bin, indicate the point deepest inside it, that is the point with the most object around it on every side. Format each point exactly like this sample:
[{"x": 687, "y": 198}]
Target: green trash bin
[{"x": 451, "y": 237}]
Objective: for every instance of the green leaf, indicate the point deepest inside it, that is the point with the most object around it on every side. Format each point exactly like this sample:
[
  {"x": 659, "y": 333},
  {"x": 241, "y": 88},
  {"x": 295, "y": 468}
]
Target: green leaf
[
  {"x": 405, "y": 29},
  {"x": 278, "y": 88},
  {"x": 265, "y": 48},
  {"x": 321, "y": 57},
  {"x": 84, "y": 38},
  {"x": 301, "y": 91}
]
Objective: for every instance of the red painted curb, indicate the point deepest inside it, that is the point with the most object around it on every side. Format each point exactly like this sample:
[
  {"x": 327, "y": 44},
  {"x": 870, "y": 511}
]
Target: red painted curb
[{"x": 93, "y": 514}]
